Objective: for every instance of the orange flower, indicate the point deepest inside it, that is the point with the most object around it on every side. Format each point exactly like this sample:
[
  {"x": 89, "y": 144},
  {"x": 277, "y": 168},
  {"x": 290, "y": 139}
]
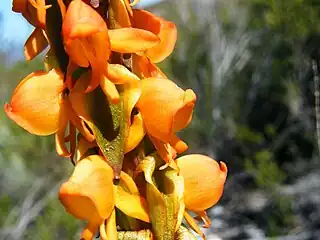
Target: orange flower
[
  {"x": 203, "y": 185},
  {"x": 40, "y": 107},
  {"x": 86, "y": 39},
  {"x": 132, "y": 93},
  {"x": 34, "y": 11},
  {"x": 165, "y": 30},
  {"x": 90, "y": 195},
  {"x": 120, "y": 12},
  {"x": 165, "y": 109},
  {"x": 144, "y": 68},
  {"x": 88, "y": 42},
  {"x": 36, "y": 102}
]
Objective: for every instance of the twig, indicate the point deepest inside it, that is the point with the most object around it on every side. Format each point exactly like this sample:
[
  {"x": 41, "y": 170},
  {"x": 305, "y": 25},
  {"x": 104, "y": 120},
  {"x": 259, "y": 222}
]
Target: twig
[
  {"x": 29, "y": 210},
  {"x": 317, "y": 99}
]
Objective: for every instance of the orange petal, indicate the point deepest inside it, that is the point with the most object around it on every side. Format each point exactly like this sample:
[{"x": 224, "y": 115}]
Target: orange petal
[
  {"x": 120, "y": 14},
  {"x": 27, "y": 10},
  {"x": 61, "y": 148},
  {"x": 19, "y": 6},
  {"x": 173, "y": 107},
  {"x": 77, "y": 100},
  {"x": 35, "y": 44},
  {"x": 204, "y": 180},
  {"x": 62, "y": 7},
  {"x": 184, "y": 115},
  {"x": 166, "y": 152},
  {"x": 83, "y": 146},
  {"x": 103, "y": 232},
  {"x": 86, "y": 39},
  {"x": 73, "y": 140},
  {"x": 90, "y": 231},
  {"x": 72, "y": 67},
  {"x": 81, "y": 21},
  {"x": 89, "y": 194},
  {"x": 76, "y": 121},
  {"x": 136, "y": 133},
  {"x": 41, "y": 8},
  {"x": 136, "y": 130},
  {"x": 179, "y": 145},
  {"x": 110, "y": 90},
  {"x": 35, "y": 103},
  {"x": 76, "y": 52},
  {"x": 166, "y": 31},
  {"x": 128, "y": 6},
  {"x": 131, "y": 40},
  {"x": 202, "y": 215},
  {"x": 77, "y": 96},
  {"x": 131, "y": 205},
  {"x": 144, "y": 68},
  {"x": 119, "y": 74},
  {"x": 111, "y": 227},
  {"x": 193, "y": 224},
  {"x": 127, "y": 182}
]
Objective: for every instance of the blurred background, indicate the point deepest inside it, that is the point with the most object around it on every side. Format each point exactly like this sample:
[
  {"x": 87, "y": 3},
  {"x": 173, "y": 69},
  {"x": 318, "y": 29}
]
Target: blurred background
[{"x": 254, "y": 66}]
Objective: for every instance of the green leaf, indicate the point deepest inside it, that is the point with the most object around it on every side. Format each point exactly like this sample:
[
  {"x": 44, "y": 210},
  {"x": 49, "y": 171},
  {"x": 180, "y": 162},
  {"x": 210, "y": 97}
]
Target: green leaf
[
  {"x": 109, "y": 125},
  {"x": 165, "y": 197}
]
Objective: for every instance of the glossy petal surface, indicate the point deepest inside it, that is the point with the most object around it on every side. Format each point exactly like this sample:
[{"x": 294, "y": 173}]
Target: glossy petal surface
[
  {"x": 204, "y": 180},
  {"x": 165, "y": 30},
  {"x": 165, "y": 107},
  {"x": 35, "y": 103}
]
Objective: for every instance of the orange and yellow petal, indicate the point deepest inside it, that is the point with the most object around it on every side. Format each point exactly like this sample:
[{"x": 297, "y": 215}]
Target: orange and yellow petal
[
  {"x": 136, "y": 133},
  {"x": 203, "y": 186},
  {"x": 19, "y": 6},
  {"x": 89, "y": 194},
  {"x": 35, "y": 103},
  {"x": 109, "y": 90},
  {"x": 165, "y": 30},
  {"x": 190, "y": 221},
  {"x": 144, "y": 68},
  {"x": 80, "y": 21},
  {"x": 61, "y": 147},
  {"x": 132, "y": 205},
  {"x": 86, "y": 39},
  {"x": 35, "y": 44},
  {"x": 166, "y": 152},
  {"x": 173, "y": 106},
  {"x": 90, "y": 231},
  {"x": 41, "y": 8},
  {"x": 131, "y": 40},
  {"x": 120, "y": 14},
  {"x": 111, "y": 226},
  {"x": 77, "y": 96},
  {"x": 82, "y": 147},
  {"x": 119, "y": 74}
]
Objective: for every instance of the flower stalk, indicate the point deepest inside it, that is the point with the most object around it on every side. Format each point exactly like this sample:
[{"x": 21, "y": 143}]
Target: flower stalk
[{"x": 116, "y": 115}]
